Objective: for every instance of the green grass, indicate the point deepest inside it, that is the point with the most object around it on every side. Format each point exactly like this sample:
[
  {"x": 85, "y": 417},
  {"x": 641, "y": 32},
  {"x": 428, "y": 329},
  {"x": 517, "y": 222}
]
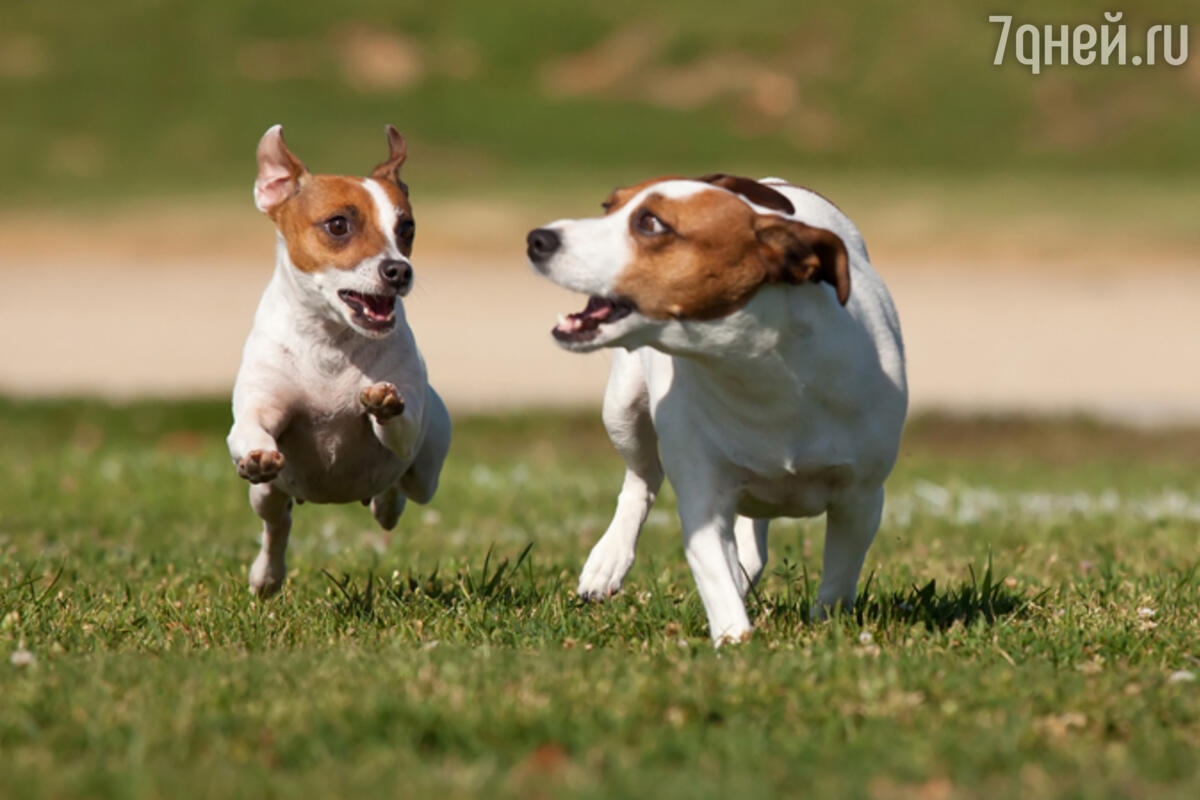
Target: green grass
[
  {"x": 1033, "y": 588},
  {"x": 150, "y": 98}
]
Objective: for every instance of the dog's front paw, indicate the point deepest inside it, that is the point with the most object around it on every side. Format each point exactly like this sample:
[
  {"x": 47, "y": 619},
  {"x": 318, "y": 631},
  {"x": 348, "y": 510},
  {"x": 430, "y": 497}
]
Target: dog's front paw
[
  {"x": 605, "y": 570},
  {"x": 267, "y": 576},
  {"x": 260, "y": 466},
  {"x": 733, "y": 637},
  {"x": 382, "y": 401}
]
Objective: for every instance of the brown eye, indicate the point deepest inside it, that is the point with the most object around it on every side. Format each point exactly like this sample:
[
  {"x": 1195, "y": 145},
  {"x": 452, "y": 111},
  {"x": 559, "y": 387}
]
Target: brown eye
[
  {"x": 406, "y": 230},
  {"x": 645, "y": 222},
  {"x": 338, "y": 226}
]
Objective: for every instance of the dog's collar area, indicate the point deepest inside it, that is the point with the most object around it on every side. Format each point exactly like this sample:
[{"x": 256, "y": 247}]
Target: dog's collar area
[
  {"x": 375, "y": 312},
  {"x": 584, "y": 325}
]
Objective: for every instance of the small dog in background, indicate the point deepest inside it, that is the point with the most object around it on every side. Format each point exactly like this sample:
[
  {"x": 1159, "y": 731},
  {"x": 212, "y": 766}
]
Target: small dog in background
[
  {"x": 756, "y": 346},
  {"x": 332, "y": 403}
]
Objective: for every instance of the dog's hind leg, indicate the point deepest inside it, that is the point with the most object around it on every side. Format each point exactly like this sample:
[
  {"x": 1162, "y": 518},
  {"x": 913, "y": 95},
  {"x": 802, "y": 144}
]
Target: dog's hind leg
[
  {"x": 420, "y": 482},
  {"x": 269, "y": 569},
  {"x": 387, "y": 506},
  {"x": 751, "y": 536},
  {"x": 850, "y": 527},
  {"x": 627, "y": 419}
]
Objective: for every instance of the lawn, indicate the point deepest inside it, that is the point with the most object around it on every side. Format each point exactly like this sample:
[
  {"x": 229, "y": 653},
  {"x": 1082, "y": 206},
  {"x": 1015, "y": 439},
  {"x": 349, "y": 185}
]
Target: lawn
[{"x": 1029, "y": 629}]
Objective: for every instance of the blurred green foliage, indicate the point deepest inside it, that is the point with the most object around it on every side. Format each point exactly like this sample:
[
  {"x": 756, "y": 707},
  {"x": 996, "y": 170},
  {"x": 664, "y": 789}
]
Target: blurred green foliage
[{"x": 151, "y": 97}]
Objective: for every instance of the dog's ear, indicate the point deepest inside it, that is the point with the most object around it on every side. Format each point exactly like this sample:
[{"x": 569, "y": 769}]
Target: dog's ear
[
  {"x": 796, "y": 253},
  {"x": 279, "y": 172},
  {"x": 757, "y": 193},
  {"x": 397, "y": 151}
]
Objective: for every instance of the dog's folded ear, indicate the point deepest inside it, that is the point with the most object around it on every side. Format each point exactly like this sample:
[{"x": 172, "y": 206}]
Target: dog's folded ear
[
  {"x": 757, "y": 193},
  {"x": 279, "y": 172},
  {"x": 397, "y": 152},
  {"x": 797, "y": 253}
]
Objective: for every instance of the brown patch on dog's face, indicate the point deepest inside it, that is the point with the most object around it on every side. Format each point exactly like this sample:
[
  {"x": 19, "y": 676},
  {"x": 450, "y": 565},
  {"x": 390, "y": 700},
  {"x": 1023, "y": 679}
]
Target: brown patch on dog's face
[
  {"x": 703, "y": 264},
  {"x": 704, "y": 256},
  {"x": 330, "y": 222}
]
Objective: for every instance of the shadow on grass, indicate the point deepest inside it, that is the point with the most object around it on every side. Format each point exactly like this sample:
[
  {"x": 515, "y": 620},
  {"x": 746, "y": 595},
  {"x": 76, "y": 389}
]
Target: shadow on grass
[
  {"x": 984, "y": 598},
  {"x": 490, "y": 583}
]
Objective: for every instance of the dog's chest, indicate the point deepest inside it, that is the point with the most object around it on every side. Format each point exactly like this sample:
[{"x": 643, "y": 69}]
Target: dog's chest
[
  {"x": 333, "y": 455},
  {"x": 785, "y": 452},
  {"x": 805, "y": 492},
  {"x": 784, "y": 470}
]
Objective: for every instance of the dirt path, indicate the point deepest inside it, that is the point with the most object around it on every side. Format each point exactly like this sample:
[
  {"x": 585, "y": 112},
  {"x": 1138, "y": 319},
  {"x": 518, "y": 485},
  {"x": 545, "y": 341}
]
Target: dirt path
[{"x": 137, "y": 319}]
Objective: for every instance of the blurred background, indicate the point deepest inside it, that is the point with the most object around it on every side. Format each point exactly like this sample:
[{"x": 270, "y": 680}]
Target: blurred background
[{"x": 1039, "y": 233}]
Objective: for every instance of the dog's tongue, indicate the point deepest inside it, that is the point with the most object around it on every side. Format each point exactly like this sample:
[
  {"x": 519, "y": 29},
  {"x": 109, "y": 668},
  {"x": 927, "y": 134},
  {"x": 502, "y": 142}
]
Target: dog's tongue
[{"x": 597, "y": 308}]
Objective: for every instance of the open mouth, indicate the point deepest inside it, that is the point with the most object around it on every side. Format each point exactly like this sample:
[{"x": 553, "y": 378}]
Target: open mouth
[
  {"x": 584, "y": 325},
  {"x": 376, "y": 312}
]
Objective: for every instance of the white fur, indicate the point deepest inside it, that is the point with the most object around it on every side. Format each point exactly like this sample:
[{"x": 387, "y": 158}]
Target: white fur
[
  {"x": 303, "y": 369},
  {"x": 593, "y": 253},
  {"x": 791, "y": 406},
  {"x": 385, "y": 214}
]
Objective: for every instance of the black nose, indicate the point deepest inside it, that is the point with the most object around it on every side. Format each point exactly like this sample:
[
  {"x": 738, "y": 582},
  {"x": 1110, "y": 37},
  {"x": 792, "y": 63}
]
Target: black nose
[
  {"x": 396, "y": 274},
  {"x": 542, "y": 242}
]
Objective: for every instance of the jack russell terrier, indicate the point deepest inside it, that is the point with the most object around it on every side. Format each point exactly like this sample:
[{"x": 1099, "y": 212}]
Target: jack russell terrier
[
  {"x": 332, "y": 403},
  {"x": 772, "y": 388}
]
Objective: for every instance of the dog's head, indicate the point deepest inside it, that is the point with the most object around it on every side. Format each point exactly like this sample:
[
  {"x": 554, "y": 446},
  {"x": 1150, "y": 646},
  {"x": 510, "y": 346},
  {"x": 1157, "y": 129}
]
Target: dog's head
[
  {"x": 675, "y": 249},
  {"x": 348, "y": 240}
]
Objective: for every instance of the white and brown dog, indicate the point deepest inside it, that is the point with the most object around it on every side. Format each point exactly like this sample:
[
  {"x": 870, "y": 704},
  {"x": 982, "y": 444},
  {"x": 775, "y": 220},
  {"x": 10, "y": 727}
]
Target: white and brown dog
[
  {"x": 758, "y": 347},
  {"x": 332, "y": 403}
]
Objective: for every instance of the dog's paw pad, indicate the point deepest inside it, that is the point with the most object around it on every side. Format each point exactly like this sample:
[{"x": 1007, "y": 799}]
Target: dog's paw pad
[
  {"x": 260, "y": 466},
  {"x": 382, "y": 401}
]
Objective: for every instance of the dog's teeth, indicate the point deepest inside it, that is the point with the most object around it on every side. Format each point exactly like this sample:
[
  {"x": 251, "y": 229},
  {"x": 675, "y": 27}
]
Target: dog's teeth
[{"x": 562, "y": 320}]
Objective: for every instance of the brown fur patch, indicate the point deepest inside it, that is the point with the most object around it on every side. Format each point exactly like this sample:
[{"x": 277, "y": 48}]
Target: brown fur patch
[
  {"x": 301, "y": 220},
  {"x": 708, "y": 265},
  {"x": 717, "y": 253},
  {"x": 797, "y": 253}
]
